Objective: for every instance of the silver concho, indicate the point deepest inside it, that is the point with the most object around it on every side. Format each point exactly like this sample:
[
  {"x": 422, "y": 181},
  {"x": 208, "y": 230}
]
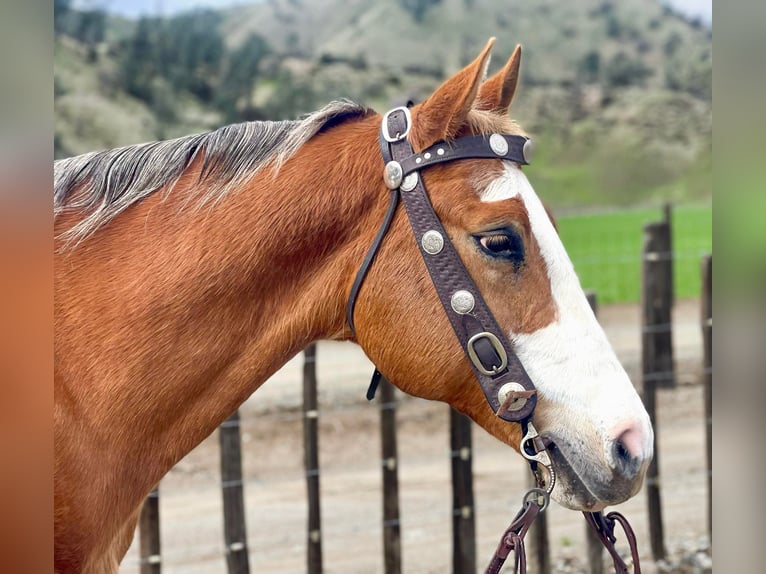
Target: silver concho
[
  {"x": 409, "y": 182},
  {"x": 502, "y": 394},
  {"x": 462, "y": 302},
  {"x": 498, "y": 144},
  {"x": 432, "y": 242},
  {"x": 392, "y": 174},
  {"x": 528, "y": 151}
]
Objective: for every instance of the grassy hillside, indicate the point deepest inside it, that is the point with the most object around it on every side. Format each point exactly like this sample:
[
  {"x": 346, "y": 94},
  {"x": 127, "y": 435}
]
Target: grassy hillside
[
  {"x": 616, "y": 93},
  {"x": 448, "y": 33}
]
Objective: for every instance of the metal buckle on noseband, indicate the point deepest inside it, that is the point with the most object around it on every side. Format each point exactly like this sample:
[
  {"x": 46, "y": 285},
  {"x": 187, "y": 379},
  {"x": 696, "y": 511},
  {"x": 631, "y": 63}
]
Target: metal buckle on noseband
[{"x": 496, "y": 345}]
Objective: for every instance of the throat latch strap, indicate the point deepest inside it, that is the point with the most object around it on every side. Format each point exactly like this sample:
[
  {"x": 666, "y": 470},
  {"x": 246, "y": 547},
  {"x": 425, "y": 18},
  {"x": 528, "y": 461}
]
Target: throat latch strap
[{"x": 369, "y": 258}]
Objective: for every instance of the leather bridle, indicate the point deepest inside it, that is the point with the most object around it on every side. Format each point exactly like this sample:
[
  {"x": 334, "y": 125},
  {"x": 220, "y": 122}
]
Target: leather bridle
[
  {"x": 490, "y": 354},
  {"x": 507, "y": 387}
]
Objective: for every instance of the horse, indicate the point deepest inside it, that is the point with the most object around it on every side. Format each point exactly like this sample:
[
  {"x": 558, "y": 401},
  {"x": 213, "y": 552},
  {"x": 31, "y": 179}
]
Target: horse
[{"x": 188, "y": 271}]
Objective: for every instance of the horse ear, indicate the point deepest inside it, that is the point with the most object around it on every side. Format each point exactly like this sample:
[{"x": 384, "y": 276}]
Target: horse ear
[
  {"x": 497, "y": 92},
  {"x": 444, "y": 112}
]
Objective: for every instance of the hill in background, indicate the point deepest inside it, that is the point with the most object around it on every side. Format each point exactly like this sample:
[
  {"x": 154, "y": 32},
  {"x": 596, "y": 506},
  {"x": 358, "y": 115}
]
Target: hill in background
[{"x": 618, "y": 94}]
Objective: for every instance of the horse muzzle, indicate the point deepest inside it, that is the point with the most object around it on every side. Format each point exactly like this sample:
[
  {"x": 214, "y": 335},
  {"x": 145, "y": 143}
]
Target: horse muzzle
[{"x": 590, "y": 479}]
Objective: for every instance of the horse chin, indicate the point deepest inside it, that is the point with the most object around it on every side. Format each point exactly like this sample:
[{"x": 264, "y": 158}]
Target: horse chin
[
  {"x": 570, "y": 491},
  {"x": 580, "y": 485}
]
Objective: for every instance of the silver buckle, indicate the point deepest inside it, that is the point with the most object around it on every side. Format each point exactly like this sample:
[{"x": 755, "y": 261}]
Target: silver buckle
[
  {"x": 496, "y": 344},
  {"x": 399, "y": 136}
]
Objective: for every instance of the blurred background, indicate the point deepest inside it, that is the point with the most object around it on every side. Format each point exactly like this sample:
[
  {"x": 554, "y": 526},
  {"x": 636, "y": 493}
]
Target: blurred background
[{"x": 617, "y": 95}]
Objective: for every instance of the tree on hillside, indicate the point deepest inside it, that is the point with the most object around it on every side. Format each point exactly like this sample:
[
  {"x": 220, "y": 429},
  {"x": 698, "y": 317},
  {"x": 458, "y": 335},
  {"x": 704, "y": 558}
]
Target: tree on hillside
[
  {"x": 140, "y": 59},
  {"x": 418, "y": 8},
  {"x": 91, "y": 30},
  {"x": 164, "y": 58},
  {"x": 590, "y": 67},
  {"x": 86, "y": 26},
  {"x": 240, "y": 77},
  {"x": 192, "y": 49},
  {"x": 695, "y": 78},
  {"x": 61, "y": 10},
  {"x": 293, "y": 96},
  {"x": 624, "y": 70}
]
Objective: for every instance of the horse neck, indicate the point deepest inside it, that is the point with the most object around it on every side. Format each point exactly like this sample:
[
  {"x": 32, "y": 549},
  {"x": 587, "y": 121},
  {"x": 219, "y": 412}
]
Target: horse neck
[{"x": 201, "y": 306}]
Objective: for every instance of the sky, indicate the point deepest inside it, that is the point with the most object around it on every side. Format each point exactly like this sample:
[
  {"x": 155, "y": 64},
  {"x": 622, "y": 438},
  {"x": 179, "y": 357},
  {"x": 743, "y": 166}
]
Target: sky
[{"x": 133, "y": 8}]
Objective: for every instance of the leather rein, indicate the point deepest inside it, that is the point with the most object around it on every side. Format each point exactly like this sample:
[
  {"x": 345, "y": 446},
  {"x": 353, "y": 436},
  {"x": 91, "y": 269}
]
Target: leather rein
[{"x": 506, "y": 385}]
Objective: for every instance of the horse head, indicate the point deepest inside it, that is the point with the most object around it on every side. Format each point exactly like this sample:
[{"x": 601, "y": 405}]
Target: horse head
[{"x": 588, "y": 413}]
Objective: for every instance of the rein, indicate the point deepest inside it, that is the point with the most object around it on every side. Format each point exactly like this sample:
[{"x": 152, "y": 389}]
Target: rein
[{"x": 506, "y": 385}]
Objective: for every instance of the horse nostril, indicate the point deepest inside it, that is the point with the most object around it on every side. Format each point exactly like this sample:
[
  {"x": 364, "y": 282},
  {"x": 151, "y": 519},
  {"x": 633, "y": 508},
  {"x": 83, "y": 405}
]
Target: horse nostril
[
  {"x": 621, "y": 452},
  {"x": 624, "y": 461},
  {"x": 627, "y": 450}
]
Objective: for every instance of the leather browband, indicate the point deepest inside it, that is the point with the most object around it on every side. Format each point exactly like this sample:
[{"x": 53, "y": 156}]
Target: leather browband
[
  {"x": 475, "y": 147},
  {"x": 486, "y": 346}
]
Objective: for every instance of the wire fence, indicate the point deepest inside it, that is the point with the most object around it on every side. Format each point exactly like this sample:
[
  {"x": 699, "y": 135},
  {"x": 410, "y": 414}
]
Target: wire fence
[{"x": 606, "y": 249}]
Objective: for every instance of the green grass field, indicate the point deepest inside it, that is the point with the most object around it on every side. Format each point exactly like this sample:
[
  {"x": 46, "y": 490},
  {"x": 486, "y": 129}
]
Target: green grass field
[{"x": 606, "y": 249}]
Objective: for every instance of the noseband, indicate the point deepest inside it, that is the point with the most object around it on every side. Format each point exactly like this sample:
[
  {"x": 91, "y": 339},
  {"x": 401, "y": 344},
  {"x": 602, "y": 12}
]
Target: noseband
[{"x": 503, "y": 379}]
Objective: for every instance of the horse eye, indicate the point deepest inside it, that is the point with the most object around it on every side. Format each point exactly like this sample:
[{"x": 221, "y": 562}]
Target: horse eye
[{"x": 502, "y": 244}]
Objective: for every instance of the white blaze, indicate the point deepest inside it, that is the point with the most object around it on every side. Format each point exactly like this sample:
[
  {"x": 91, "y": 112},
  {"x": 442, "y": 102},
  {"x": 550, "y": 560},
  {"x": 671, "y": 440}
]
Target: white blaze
[{"x": 570, "y": 361}]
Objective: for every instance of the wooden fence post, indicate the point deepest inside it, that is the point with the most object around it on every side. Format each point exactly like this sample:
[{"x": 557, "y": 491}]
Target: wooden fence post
[
  {"x": 463, "y": 510},
  {"x": 662, "y": 328},
  {"x": 149, "y": 533},
  {"x": 667, "y": 217},
  {"x": 594, "y": 547},
  {"x": 655, "y": 315},
  {"x": 234, "y": 531},
  {"x": 539, "y": 553},
  {"x": 311, "y": 459},
  {"x": 392, "y": 547},
  {"x": 707, "y": 364}
]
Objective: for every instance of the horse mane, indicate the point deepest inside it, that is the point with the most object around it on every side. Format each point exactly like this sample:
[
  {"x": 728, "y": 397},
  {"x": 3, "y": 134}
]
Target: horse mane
[{"x": 103, "y": 184}]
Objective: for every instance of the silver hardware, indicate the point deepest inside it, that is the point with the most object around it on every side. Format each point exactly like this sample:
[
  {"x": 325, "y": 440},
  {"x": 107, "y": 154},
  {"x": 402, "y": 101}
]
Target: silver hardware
[
  {"x": 432, "y": 242},
  {"x": 462, "y": 302},
  {"x": 409, "y": 182},
  {"x": 440, "y": 151},
  {"x": 418, "y": 160},
  {"x": 427, "y": 155},
  {"x": 496, "y": 344},
  {"x": 539, "y": 496},
  {"x": 398, "y": 136},
  {"x": 508, "y": 388},
  {"x": 528, "y": 151},
  {"x": 498, "y": 144},
  {"x": 541, "y": 457},
  {"x": 392, "y": 174}
]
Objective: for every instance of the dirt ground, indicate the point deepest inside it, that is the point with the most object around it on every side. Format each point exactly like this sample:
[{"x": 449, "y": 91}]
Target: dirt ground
[{"x": 275, "y": 491}]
